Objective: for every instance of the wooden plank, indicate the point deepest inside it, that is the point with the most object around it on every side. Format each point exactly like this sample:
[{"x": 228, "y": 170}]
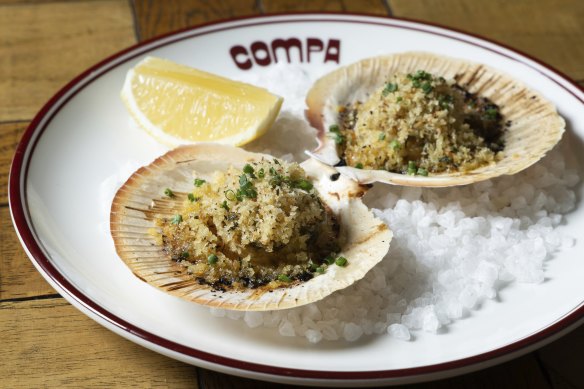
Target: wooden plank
[
  {"x": 49, "y": 344},
  {"x": 62, "y": 360},
  {"x": 552, "y": 30},
  {"x": 564, "y": 359},
  {"x": 155, "y": 17},
  {"x": 10, "y": 134},
  {"x": 213, "y": 380},
  {"x": 43, "y": 46},
  {"x": 377, "y": 7},
  {"x": 18, "y": 277},
  {"x": 523, "y": 372}
]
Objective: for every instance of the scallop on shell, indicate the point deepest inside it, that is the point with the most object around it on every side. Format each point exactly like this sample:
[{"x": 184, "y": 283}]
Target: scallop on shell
[
  {"x": 141, "y": 200},
  {"x": 535, "y": 125}
]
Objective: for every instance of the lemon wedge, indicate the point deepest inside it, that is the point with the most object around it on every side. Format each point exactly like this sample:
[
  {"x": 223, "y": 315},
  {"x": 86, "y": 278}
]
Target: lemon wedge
[{"x": 178, "y": 105}]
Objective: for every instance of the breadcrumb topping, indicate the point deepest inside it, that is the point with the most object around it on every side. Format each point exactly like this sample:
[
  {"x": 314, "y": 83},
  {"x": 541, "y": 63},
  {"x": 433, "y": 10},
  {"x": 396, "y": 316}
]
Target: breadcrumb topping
[
  {"x": 261, "y": 225},
  {"x": 420, "y": 124}
]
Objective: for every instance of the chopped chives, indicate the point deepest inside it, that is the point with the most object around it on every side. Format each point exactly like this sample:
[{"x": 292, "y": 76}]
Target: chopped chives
[
  {"x": 248, "y": 169},
  {"x": 230, "y": 195},
  {"x": 199, "y": 181},
  {"x": 303, "y": 184},
  {"x": 389, "y": 88},
  {"x": 176, "y": 219},
  {"x": 212, "y": 259},
  {"x": 412, "y": 168},
  {"x": 427, "y": 87},
  {"x": 284, "y": 278},
  {"x": 341, "y": 261},
  {"x": 168, "y": 192},
  {"x": 329, "y": 260}
]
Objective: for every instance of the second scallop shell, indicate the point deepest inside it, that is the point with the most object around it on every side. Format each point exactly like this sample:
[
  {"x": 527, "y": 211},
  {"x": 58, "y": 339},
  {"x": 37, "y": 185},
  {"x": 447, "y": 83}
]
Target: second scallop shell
[
  {"x": 141, "y": 200},
  {"x": 535, "y": 126}
]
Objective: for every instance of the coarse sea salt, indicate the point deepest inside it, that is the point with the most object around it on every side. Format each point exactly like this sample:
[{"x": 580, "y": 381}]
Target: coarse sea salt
[{"x": 453, "y": 248}]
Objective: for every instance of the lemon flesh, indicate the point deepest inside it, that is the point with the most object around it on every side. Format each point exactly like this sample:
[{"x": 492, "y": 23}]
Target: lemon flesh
[{"x": 178, "y": 105}]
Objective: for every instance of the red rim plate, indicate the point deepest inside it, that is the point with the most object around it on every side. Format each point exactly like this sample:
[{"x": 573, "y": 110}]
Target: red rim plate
[{"x": 20, "y": 216}]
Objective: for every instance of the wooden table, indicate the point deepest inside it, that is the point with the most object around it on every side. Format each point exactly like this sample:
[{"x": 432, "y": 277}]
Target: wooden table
[{"x": 44, "y": 341}]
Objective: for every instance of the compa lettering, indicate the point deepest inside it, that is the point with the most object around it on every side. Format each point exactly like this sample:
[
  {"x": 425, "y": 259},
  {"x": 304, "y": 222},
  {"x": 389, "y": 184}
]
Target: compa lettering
[{"x": 289, "y": 50}]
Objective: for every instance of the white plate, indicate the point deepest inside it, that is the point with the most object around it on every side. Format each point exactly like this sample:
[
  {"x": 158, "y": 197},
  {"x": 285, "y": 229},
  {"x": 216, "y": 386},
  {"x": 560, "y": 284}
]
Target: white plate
[{"x": 82, "y": 138}]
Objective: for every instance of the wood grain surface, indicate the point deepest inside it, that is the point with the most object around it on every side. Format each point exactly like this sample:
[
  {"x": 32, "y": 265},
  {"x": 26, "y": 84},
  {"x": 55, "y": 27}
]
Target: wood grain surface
[{"x": 45, "y": 342}]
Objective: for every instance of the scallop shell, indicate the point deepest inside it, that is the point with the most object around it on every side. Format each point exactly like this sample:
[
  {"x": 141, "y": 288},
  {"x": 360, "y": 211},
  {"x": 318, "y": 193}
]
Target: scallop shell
[
  {"x": 535, "y": 127},
  {"x": 140, "y": 200}
]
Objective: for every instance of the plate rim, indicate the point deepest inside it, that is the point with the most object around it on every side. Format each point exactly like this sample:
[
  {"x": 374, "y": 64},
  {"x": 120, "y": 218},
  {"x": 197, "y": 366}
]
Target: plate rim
[{"x": 27, "y": 236}]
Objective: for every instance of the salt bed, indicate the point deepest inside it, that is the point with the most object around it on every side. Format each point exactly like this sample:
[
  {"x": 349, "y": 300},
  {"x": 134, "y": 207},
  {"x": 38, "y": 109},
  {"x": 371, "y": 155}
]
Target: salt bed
[{"x": 453, "y": 248}]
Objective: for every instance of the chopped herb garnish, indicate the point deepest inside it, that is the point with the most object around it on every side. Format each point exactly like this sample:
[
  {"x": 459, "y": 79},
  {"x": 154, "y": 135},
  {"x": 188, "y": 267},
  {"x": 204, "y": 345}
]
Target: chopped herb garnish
[
  {"x": 276, "y": 181},
  {"x": 341, "y": 261},
  {"x": 329, "y": 260},
  {"x": 381, "y": 136},
  {"x": 168, "y": 192},
  {"x": 224, "y": 205},
  {"x": 303, "y": 184},
  {"x": 284, "y": 278},
  {"x": 273, "y": 171},
  {"x": 359, "y": 165},
  {"x": 183, "y": 255},
  {"x": 389, "y": 88},
  {"x": 427, "y": 87},
  {"x": 319, "y": 270},
  {"x": 246, "y": 189},
  {"x": 422, "y": 172},
  {"x": 192, "y": 197},
  {"x": 412, "y": 168},
  {"x": 339, "y": 139},
  {"x": 230, "y": 195},
  {"x": 444, "y": 101},
  {"x": 417, "y": 79},
  {"x": 399, "y": 98},
  {"x": 251, "y": 193},
  {"x": 491, "y": 113},
  {"x": 212, "y": 259},
  {"x": 394, "y": 144},
  {"x": 243, "y": 182},
  {"x": 420, "y": 75},
  {"x": 176, "y": 219},
  {"x": 199, "y": 182},
  {"x": 248, "y": 169},
  {"x": 261, "y": 173},
  {"x": 336, "y": 131}
]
